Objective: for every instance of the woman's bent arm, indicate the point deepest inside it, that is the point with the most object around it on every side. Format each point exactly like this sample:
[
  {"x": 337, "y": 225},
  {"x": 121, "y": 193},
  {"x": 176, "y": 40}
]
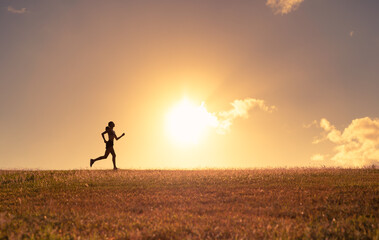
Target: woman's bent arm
[
  {"x": 103, "y": 136},
  {"x": 117, "y": 138}
]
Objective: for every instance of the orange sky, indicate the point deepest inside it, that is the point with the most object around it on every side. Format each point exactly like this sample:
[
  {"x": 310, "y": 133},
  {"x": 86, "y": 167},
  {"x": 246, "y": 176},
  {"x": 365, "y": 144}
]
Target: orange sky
[{"x": 67, "y": 68}]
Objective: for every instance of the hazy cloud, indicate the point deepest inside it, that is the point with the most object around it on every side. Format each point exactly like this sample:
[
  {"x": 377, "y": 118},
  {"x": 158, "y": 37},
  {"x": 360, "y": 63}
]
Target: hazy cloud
[
  {"x": 312, "y": 124},
  {"x": 357, "y": 145},
  {"x": 17, "y": 11},
  {"x": 318, "y": 157},
  {"x": 351, "y": 33},
  {"x": 223, "y": 120},
  {"x": 283, "y": 6}
]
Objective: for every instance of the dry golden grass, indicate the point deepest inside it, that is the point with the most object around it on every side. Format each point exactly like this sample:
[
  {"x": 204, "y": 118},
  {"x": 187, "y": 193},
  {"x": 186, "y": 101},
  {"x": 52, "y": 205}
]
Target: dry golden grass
[{"x": 203, "y": 204}]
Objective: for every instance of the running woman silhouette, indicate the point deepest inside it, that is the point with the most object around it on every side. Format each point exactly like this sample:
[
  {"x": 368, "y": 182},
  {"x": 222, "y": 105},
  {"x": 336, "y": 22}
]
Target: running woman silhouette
[{"x": 108, "y": 145}]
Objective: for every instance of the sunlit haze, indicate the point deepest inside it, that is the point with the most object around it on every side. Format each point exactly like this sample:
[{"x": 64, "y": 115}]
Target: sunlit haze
[
  {"x": 193, "y": 84},
  {"x": 187, "y": 123}
]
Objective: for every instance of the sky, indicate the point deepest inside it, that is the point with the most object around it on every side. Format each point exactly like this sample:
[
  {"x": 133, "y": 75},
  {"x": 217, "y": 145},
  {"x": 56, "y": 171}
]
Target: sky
[{"x": 279, "y": 83}]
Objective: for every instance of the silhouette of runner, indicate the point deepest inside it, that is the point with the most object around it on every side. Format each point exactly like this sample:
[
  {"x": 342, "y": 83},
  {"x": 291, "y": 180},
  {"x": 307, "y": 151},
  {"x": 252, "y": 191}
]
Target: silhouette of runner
[{"x": 108, "y": 145}]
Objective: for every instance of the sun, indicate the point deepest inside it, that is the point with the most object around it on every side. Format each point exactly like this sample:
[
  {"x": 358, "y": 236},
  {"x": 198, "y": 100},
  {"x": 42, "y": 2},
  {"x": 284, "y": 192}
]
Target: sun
[{"x": 187, "y": 123}]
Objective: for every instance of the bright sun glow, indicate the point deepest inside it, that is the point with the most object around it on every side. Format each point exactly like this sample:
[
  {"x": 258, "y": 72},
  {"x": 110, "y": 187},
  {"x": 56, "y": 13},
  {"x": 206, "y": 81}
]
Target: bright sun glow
[{"x": 187, "y": 123}]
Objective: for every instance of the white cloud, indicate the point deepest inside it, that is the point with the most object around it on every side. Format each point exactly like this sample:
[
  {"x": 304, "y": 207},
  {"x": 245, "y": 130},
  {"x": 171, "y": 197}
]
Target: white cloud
[
  {"x": 223, "y": 120},
  {"x": 283, "y": 6},
  {"x": 357, "y": 145},
  {"x": 17, "y": 11}
]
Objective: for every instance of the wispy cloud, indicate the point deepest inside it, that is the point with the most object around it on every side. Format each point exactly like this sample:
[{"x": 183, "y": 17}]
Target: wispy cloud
[
  {"x": 312, "y": 124},
  {"x": 16, "y": 11},
  {"x": 357, "y": 145},
  {"x": 222, "y": 121},
  {"x": 283, "y": 6},
  {"x": 186, "y": 121}
]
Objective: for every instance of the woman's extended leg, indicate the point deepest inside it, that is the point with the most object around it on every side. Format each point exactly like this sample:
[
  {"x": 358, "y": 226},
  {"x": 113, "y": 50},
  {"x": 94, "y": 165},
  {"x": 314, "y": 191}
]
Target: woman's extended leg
[{"x": 107, "y": 151}]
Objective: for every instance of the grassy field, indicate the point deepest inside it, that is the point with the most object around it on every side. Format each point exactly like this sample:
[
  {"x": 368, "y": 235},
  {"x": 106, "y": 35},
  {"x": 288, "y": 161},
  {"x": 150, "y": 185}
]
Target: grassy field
[{"x": 204, "y": 204}]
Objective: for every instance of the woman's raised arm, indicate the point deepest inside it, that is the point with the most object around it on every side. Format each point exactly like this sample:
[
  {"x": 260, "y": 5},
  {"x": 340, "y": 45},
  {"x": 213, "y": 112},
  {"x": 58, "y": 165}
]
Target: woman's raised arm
[{"x": 117, "y": 138}]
